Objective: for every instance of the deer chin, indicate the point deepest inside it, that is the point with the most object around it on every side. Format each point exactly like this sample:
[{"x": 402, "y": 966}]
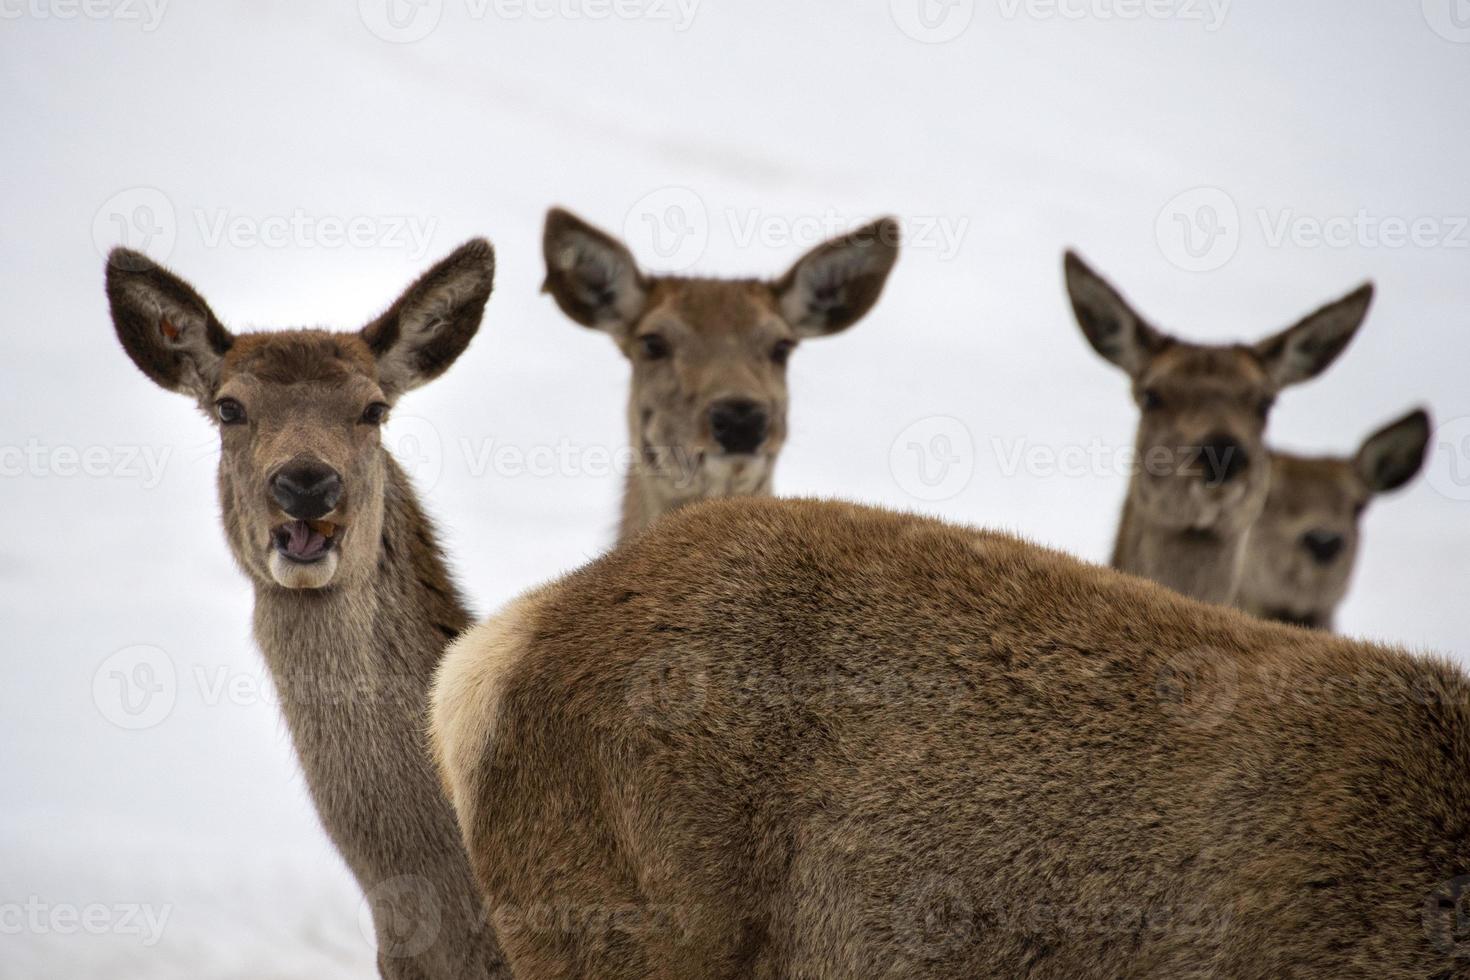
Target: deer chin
[
  {"x": 1197, "y": 506},
  {"x": 735, "y": 474}
]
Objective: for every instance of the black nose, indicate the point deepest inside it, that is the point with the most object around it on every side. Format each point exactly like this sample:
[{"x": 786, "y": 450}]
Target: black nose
[
  {"x": 739, "y": 425},
  {"x": 306, "y": 491},
  {"x": 1221, "y": 459},
  {"x": 1324, "y": 545}
]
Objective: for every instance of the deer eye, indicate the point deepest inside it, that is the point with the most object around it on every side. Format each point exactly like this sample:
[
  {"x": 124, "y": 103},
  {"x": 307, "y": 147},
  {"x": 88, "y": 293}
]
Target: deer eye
[
  {"x": 1152, "y": 400},
  {"x": 375, "y": 414},
  {"x": 781, "y": 353},
  {"x": 654, "y": 347},
  {"x": 1263, "y": 407},
  {"x": 229, "y": 411}
]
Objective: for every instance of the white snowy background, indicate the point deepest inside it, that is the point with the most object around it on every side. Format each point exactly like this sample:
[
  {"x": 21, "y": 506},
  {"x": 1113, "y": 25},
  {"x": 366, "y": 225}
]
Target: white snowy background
[{"x": 234, "y": 140}]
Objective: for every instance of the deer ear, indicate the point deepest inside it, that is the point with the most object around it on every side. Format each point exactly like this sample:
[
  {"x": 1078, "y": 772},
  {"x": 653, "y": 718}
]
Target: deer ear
[
  {"x": 165, "y": 326},
  {"x": 434, "y": 320},
  {"x": 1302, "y": 352},
  {"x": 835, "y": 284},
  {"x": 1110, "y": 325},
  {"x": 1390, "y": 457},
  {"x": 590, "y": 274}
]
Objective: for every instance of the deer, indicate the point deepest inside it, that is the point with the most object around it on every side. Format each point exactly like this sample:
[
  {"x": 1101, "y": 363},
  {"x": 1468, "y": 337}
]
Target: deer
[
  {"x": 353, "y": 602},
  {"x": 707, "y": 406},
  {"x": 1301, "y": 550},
  {"x": 1198, "y": 482},
  {"x": 777, "y": 738}
]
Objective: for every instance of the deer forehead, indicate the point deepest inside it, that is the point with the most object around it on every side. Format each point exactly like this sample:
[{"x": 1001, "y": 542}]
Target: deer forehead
[
  {"x": 1306, "y": 486},
  {"x": 300, "y": 357},
  {"x": 1219, "y": 370},
  {"x": 716, "y": 309}
]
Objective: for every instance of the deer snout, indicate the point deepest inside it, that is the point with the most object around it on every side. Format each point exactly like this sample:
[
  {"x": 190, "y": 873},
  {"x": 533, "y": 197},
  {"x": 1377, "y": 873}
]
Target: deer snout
[
  {"x": 739, "y": 425},
  {"x": 1324, "y": 545},
  {"x": 306, "y": 490},
  {"x": 1221, "y": 458}
]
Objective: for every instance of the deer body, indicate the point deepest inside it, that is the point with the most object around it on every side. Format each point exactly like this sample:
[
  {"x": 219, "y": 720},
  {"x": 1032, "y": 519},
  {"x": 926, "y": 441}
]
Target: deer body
[
  {"x": 800, "y": 739},
  {"x": 353, "y": 604},
  {"x": 708, "y": 401},
  {"x": 1194, "y": 493}
]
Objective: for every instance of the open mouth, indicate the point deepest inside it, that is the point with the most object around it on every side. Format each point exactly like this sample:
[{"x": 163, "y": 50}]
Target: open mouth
[{"x": 305, "y": 541}]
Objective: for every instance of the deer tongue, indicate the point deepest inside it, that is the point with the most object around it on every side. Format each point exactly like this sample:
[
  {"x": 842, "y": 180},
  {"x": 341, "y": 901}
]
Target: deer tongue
[{"x": 303, "y": 542}]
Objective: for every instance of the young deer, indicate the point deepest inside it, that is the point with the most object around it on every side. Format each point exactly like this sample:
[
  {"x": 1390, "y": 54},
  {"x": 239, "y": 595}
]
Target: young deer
[
  {"x": 707, "y": 408},
  {"x": 802, "y": 739},
  {"x": 353, "y": 605},
  {"x": 1301, "y": 550},
  {"x": 1198, "y": 483}
]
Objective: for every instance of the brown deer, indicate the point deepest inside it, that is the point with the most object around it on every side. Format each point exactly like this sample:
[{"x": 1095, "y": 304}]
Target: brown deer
[
  {"x": 1301, "y": 550},
  {"x": 353, "y": 604},
  {"x": 795, "y": 738},
  {"x": 707, "y": 407},
  {"x": 1198, "y": 483}
]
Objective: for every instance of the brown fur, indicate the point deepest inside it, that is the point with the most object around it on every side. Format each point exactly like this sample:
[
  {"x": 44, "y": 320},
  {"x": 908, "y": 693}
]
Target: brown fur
[
  {"x": 351, "y": 643},
  {"x": 1284, "y": 579},
  {"x": 781, "y": 739},
  {"x": 1183, "y": 524},
  {"x": 725, "y": 339}
]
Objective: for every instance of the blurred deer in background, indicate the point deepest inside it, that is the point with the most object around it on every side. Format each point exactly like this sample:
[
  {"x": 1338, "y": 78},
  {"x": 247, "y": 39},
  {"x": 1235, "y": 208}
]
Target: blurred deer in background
[
  {"x": 1200, "y": 478},
  {"x": 353, "y": 603},
  {"x": 708, "y": 401},
  {"x": 1301, "y": 550}
]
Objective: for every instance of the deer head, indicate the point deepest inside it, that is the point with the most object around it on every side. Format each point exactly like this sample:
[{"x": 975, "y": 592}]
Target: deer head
[
  {"x": 1301, "y": 550},
  {"x": 302, "y": 469},
  {"x": 1203, "y": 408},
  {"x": 709, "y": 400}
]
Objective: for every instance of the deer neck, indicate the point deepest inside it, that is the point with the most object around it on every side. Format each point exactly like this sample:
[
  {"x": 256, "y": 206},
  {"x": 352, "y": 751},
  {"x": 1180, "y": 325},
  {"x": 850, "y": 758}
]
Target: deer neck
[
  {"x": 656, "y": 485},
  {"x": 1204, "y": 564}
]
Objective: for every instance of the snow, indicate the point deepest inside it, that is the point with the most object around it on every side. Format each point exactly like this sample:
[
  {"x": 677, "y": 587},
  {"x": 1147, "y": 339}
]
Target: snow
[{"x": 232, "y": 130}]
